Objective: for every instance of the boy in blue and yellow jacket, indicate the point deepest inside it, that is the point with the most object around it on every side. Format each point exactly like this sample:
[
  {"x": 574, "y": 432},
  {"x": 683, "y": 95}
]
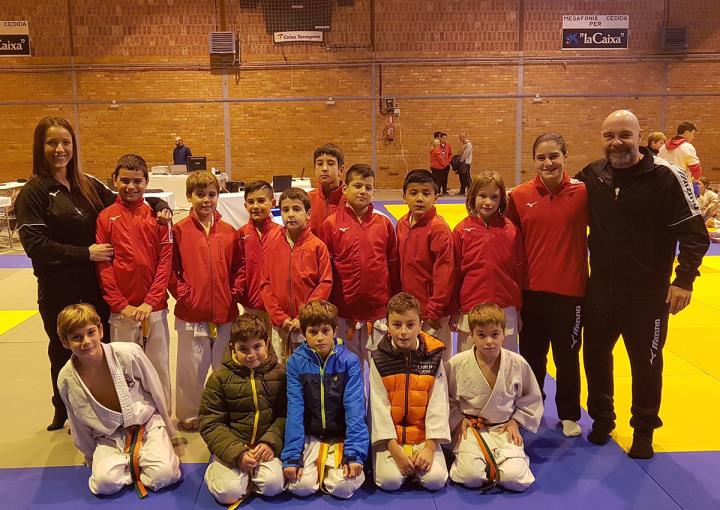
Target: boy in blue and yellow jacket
[{"x": 326, "y": 437}]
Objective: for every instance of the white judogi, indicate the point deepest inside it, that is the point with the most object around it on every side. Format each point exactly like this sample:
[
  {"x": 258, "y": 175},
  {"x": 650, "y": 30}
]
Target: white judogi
[
  {"x": 100, "y": 433},
  {"x": 332, "y": 480},
  {"x": 361, "y": 342},
  {"x": 197, "y": 352},
  {"x": 387, "y": 474},
  {"x": 230, "y": 484},
  {"x": 516, "y": 395},
  {"x": 156, "y": 344},
  {"x": 444, "y": 334}
]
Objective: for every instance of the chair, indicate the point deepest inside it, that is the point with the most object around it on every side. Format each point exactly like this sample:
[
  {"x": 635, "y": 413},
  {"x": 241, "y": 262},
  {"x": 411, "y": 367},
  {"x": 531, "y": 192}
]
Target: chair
[{"x": 8, "y": 219}]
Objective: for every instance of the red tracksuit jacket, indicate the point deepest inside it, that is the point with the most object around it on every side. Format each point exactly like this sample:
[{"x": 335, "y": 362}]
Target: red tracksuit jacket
[
  {"x": 427, "y": 262},
  {"x": 554, "y": 230},
  {"x": 204, "y": 269},
  {"x": 489, "y": 258},
  {"x": 365, "y": 262},
  {"x": 140, "y": 270},
  {"x": 296, "y": 275},
  {"x": 255, "y": 249},
  {"x": 322, "y": 206}
]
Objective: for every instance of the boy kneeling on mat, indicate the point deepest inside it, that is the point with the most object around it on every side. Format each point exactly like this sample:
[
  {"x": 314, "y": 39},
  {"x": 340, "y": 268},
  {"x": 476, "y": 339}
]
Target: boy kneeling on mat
[
  {"x": 493, "y": 392},
  {"x": 326, "y": 438},
  {"x": 116, "y": 408}
]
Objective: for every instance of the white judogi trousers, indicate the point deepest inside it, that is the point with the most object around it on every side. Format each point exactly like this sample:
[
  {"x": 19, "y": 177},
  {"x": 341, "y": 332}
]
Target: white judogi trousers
[
  {"x": 333, "y": 481},
  {"x": 511, "y": 342},
  {"x": 156, "y": 345},
  {"x": 196, "y": 353},
  {"x": 389, "y": 478},
  {"x": 513, "y": 465},
  {"x": 159, "y": 466},
  {"x": 362, "y": 342},
  {"x": 229, "y": 485},
  {"x": 444, "y": 334}
]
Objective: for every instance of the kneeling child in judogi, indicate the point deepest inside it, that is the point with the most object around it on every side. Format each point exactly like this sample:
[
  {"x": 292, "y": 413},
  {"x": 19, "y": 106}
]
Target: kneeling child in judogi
[
  {"x": 493, "y": 392},
  {"x": 408, "y": 401},
  {"x": 242, "y": 416},
  {"x": 116, "y": 407}
]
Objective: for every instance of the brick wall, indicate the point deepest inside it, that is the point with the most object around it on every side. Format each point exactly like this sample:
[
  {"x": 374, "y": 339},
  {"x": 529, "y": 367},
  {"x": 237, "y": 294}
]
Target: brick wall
[{"x": 151, "y": 57}]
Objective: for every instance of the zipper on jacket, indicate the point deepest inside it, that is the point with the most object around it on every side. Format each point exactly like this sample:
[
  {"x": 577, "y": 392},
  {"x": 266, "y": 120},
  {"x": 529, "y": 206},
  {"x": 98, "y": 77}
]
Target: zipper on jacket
[
  {"x": 256, "y": 419},
  {"x": 290, "y": 287},
  {"x": 408, "y": 364},
  {"x": 212, "y": 282},
  {"x": 323, "y": 364}
]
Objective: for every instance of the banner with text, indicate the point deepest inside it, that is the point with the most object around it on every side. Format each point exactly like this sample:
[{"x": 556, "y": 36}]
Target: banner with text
[
  {"x": 14, "y": 39},
  {"x": 297, "y": 36},
  {"x": 595, "y": 32}
]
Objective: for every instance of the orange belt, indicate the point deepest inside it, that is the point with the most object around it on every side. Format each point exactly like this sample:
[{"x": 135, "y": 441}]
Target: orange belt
[
  {"x": 491, "y": 468},
  {"x": 145, "y": 326},
  {"x": 133, "y": 445},
  {"x": 322, "y": 458}
]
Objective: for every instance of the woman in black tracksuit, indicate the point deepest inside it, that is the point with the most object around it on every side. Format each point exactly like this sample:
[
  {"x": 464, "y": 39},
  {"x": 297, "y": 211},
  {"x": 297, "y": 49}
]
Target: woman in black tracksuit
[{"x": 56, "y": 212}]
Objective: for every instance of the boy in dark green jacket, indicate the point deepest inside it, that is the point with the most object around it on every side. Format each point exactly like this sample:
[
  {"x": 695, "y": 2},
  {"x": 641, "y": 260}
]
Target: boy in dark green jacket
[{"x": 242, "y": 416}]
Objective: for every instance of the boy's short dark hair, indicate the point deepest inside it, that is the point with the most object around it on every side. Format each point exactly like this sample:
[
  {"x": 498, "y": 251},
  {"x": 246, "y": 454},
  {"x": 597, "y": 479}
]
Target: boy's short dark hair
[
  {"x": 437, "y": 134},
  {"x": 686, "y": 126},
  {"x": 74, "y": 317},
  {"x": 253, "y": 186},
  {"x": 200, "y": 179},
  {"x": 420, "y": 176},
  {"x": 403, "y": 302},
  {"x": 248, "y": 327},
  {"x": 316, "y": 313},
  {"x": 131, "y": 162},
  {"x": 361, "y": 170},
  {"x": 484, "y": 314},
  {"x": 295, "y": 194},
  {"x": 330, "y": 149}
]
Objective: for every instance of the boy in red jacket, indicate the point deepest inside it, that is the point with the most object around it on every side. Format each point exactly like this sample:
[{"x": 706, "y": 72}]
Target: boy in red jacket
[
  {"x": 205, "y": 263},
  {"x": 135, "y": 282},
  {"x": 254, "y": 238},
  {"x": 363, "y": 249},
  {"x": 300, "y": 273},
  {"x": 329, "y": 164},
  {"x": 427, "y": 261}
]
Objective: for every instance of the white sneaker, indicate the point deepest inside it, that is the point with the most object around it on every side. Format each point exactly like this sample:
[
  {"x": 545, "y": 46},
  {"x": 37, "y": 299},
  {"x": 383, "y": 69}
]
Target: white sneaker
[{"x": 571, "y": 428}]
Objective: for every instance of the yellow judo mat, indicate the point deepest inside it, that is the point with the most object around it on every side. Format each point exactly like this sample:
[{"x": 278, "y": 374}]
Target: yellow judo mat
[
  {"x": 691, "y": 383},
  {"x": 11, "y": 318}
]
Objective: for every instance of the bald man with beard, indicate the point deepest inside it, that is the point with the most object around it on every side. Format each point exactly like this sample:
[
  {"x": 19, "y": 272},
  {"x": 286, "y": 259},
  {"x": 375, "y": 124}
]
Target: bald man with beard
[{"x": 641, "y": 209}]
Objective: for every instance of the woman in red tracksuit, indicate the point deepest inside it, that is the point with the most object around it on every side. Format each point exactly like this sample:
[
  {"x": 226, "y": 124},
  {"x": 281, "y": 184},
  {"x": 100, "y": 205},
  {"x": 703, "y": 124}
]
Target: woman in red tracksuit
[
  {"x": 489, "y": 257},
  {"x": 552, "y": 213}
]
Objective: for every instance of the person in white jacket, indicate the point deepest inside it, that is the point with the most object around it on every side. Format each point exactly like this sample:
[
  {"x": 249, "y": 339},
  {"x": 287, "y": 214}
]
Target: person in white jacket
[
  {"x": 493, "y": 393},
  {"x": 116, "y": 408}
]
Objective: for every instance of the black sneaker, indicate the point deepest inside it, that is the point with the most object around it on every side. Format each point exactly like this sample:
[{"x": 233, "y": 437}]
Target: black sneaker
[
  {"x": 600, "y": 434},
  {"x": 642, "y": 447}
]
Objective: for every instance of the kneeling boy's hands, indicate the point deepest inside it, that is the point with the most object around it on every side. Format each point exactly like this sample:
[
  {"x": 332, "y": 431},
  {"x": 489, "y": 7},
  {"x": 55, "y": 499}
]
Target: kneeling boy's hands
[
  {"x": 424, "y": 458},
  {"x": 292, "y": 473},
  {"x": 263, "y": 453},
  {"x": 352, "y": 470},
  {"x": 513, "y": 432},
  {"x": 248, "y": 461},
  {"x": 404, "y": 463}
]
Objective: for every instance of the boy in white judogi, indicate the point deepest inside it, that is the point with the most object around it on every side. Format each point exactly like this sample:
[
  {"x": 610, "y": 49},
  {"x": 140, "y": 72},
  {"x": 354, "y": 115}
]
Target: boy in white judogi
[
  {"x": 493, "y": 392},
  {"x": 116, "y": 408}
]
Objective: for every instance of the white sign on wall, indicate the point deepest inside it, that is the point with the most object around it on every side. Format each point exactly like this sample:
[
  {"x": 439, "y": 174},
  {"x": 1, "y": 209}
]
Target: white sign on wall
[
  {"x": 595, "y": 31},
  {"x": 14, "y": 39},
  {"x": 297, "y": 36}
]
